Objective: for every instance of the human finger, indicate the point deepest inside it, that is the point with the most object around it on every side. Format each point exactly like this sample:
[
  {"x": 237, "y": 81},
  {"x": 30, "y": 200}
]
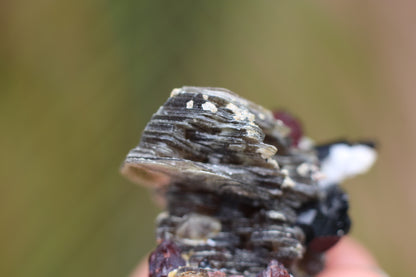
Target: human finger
[
  {"x": 141, "y": 270},
  {"x": 350, "y": 259}
]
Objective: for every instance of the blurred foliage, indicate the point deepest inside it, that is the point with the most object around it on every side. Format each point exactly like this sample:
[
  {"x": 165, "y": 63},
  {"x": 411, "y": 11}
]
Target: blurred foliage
[{"x": 80, "y": 79}]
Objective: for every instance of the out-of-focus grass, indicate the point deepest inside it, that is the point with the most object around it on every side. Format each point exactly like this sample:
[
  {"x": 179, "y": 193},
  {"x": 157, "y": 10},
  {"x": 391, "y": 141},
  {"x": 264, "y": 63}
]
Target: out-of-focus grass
[{"x": 80, "y": 79}]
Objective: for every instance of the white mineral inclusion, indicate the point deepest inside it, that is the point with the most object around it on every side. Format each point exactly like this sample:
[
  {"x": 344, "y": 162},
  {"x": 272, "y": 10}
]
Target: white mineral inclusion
[
  {"x": 266, "y": 152},
  {"x": 190, "y": 104},
  {"x": 306, "y": 169},
  {"x": 303, "y": 169},
  {"x": 276, "y": 215},
  {"x": 175, "y": 92},
  {"x": 251, "y": 132},
  {"x": 273, "y": 162},
  {"x": 288, "y": 182},
  {"x": 306, "y": 143},
  {"x": 208, "y": 106},
  {"x": 205, "y": 96},
  {"x": 240, "y": 114},
  {"x": 345, "y": 161}
]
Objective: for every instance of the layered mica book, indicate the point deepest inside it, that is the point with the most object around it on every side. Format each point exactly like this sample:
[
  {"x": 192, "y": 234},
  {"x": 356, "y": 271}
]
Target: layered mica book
[{"x": 246, "y": 192}]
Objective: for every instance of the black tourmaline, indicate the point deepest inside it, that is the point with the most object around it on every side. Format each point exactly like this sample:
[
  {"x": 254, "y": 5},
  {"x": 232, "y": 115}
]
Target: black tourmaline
[{"x": 243, "y": 189}]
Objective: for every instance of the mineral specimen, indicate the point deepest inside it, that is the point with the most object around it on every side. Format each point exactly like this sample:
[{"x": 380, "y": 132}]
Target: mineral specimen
[{"x": 245, "y": 190}]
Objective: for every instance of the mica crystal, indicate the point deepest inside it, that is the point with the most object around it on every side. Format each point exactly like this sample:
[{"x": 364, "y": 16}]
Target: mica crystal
[{"x": 242, "y": 199}]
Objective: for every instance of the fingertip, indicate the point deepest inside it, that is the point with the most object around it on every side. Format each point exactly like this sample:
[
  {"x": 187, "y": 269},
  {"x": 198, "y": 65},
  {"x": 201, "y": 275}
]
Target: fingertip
[
  {"x": 348, "y": 252},
  {"x": 351, "y": 272},
  {"x": 141, "y": 270}
]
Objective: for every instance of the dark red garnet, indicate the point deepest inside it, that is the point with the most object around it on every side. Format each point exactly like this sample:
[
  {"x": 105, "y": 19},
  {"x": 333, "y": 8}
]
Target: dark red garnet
[
  {"x": 274, "y": 269},
  {"x": 293, "y": 123},
  {"x": 164, "y": 259},
  {"x": 321, "y": 244}
]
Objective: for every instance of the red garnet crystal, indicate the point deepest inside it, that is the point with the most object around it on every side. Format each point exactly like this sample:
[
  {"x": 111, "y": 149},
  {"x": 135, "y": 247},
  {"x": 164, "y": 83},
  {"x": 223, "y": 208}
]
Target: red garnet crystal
[
  {"x": 294, "y": 125},
  {"x": 274, "y": 269},
  {"x": 164, "y": 259}
]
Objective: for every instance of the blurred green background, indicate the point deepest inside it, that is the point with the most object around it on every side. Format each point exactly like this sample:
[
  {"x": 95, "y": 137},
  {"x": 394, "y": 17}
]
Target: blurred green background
[{"x": 80, "y": 79}]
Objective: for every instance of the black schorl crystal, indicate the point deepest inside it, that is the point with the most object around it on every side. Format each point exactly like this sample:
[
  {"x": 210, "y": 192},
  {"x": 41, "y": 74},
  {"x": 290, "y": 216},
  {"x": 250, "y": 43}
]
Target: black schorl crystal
[
  {"x": 326, "y": 221},
  {"x": 245, "y": 192}
]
